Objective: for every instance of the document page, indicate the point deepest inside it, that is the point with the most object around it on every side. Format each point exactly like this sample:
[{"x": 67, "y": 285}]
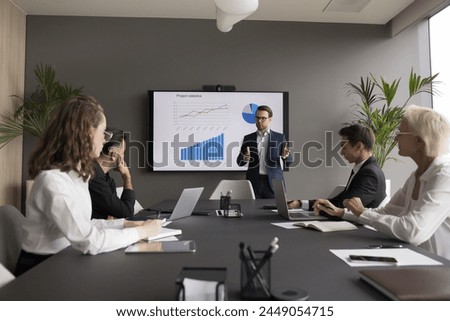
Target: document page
[{"x": 403, "y": 257}]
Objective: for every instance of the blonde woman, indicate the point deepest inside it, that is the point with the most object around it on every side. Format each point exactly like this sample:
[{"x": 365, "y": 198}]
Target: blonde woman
[{"x": 419, "y": 213}]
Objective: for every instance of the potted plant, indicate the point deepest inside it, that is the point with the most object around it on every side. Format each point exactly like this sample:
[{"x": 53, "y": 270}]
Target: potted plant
[
  {"x": 34, "y": 113},
  {"x": 375, "y": 108}
]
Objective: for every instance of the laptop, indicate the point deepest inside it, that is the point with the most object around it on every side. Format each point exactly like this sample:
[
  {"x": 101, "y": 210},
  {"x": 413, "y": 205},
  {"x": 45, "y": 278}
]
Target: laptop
[
  {"x": 186, "y": 203},
  {"x": 184, "y": 207},
  {"x": 296, "y": 214}
]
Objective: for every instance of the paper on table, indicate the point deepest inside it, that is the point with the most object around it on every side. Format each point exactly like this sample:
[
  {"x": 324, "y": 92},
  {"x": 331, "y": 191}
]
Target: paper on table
[
  {"x": 201, "y": 290},
  {"x": 296, "y": 211},
  {"x": 164, "y": 233},
  {"x": 137, "y": 207},
  {"x": 286, "y": 225},
  {"x": 403, "y": 257},
  {"x": 168, "y": 239}
]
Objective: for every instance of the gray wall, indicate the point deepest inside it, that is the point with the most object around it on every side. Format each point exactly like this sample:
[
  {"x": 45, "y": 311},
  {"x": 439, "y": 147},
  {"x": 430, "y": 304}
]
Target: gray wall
[{"x": 118, "y": 59}]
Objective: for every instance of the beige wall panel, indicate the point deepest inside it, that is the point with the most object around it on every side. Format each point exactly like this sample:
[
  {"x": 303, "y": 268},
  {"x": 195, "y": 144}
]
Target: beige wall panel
[{"x": 12, "y": 71}]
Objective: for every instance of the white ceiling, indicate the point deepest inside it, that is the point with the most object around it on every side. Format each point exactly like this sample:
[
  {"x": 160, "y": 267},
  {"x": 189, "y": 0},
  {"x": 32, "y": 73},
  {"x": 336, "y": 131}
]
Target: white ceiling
[{"x": 375, "y": 12}]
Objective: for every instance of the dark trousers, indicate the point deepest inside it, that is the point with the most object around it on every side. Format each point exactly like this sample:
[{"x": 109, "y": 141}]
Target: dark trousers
[
  {"x": 263, "y": 190},
  {"x": 27, "y": 261}
]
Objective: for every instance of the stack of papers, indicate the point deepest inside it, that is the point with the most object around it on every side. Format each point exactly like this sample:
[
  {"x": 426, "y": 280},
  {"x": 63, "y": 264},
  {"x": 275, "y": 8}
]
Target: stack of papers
[
  {"x": 165, "y": 232},
  {"x": 403, "y": 257}
]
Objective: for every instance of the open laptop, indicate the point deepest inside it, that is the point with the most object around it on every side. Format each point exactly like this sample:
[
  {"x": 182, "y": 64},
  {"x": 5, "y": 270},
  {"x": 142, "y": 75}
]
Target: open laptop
[
  {"x": 296, "y": 214},
  {"x": 183, "y": 208},
  {"x": 186, "y": 203}
]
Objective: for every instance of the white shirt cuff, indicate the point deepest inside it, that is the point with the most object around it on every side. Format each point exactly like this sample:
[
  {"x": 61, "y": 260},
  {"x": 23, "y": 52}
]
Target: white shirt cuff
[{"x": 305, "y": 204}]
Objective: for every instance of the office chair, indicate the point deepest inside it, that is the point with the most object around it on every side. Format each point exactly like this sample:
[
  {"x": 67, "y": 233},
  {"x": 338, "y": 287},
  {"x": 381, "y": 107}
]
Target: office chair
[
  {"x": 241, "y": 189},
  {"x": 11, "y": 221},
  {"x": 5, "y": 275}
]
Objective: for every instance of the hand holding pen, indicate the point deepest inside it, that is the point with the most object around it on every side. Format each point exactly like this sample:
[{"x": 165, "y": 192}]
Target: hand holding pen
[
  {"x": 285, "y": 152},
  {"x": 326, "y": 206},
  {"x": 247, "y": 154},
  {"x": 322, "y": 205}
]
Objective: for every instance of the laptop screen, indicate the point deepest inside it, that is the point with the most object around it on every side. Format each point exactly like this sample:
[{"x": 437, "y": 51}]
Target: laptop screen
[
  {"x": 186, "y": 203},
  {"x": 280, "y": 197}
]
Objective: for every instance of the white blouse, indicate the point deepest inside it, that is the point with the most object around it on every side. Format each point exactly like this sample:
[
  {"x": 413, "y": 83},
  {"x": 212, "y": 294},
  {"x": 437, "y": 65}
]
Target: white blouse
[
  {"x": 424, "y": 222},
  {"x": 58, "y": 214}
]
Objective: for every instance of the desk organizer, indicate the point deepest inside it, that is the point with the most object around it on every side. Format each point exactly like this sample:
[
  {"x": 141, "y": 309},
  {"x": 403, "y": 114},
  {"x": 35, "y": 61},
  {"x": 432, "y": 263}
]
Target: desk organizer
[{"x": 255, "y": 276}]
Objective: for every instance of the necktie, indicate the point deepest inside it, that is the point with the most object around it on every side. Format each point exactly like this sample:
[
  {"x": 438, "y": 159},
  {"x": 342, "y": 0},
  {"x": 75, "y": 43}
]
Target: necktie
[{"x": 349, "y": 179}]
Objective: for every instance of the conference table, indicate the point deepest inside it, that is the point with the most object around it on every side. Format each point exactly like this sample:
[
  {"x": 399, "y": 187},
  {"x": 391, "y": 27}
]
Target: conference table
[{"x": 303, "y": 261}]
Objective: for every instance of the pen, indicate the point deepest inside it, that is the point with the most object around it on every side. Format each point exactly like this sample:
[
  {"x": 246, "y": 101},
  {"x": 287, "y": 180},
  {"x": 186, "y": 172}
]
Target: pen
[
  {"x": 270, "y": 251},
  {"x": 253, "y": 268},
  {"x": 373, "y": 258},
  {"x": 327, "y": 207},
  {"x": 385, "y": 246}
]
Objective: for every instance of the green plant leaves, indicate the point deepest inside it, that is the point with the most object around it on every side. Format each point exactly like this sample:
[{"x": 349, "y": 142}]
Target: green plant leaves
[
  {"x": 34, "y": 113},
  {"x": 375, "y": 108}
]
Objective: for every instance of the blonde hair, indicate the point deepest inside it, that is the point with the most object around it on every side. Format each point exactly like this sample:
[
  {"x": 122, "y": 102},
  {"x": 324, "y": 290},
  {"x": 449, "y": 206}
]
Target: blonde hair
[{"x": 431, "y": 126}]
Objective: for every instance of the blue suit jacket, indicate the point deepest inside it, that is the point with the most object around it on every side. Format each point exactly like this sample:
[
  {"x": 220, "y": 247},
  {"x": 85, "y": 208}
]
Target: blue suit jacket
[{"x": 275, "y": 146}]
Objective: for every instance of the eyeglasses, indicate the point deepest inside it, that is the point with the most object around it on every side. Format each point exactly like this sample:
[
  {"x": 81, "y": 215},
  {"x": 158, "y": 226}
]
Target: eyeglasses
[
  {"x": 108, "y": 135},
  {"x": 263, "y": 119},
  {"x": 398, "y": 133}
]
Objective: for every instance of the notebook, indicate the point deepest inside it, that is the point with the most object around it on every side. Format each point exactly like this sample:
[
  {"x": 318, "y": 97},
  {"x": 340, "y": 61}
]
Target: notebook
[
  {"x": 330, "y": 226},
  {"x": 417, "y": 283},
  {"x": 296, "y": 214}
]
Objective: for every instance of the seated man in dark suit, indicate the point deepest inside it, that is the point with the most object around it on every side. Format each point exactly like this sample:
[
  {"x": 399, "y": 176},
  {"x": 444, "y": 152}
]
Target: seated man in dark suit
[{"x": 366, "y": 181}]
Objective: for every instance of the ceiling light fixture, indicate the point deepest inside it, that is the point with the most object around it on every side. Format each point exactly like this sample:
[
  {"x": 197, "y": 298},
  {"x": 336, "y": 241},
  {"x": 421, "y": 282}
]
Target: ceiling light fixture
[{"x": 229, "y": 12}]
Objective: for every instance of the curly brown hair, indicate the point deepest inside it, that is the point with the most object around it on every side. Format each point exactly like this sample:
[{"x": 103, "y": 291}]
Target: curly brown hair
[{"x": 67, "y": 141}]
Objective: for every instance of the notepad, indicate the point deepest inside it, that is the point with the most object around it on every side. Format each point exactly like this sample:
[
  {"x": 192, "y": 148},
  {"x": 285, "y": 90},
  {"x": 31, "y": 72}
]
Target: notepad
[
  {"x": 186, "y": 246},
  {"x": 165, "y": 232},
  {"x": 327, "y": 226}
]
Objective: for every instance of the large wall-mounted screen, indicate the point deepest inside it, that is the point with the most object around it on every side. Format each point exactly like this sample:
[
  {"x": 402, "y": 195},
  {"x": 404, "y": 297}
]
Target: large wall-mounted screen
[{"x": 203, "y": 131}]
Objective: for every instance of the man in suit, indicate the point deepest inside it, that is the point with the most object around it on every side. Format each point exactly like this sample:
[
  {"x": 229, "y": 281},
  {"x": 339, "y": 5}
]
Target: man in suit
[
  {"x": 266, "y": 153},
  {"x": 366, "y": 180}
]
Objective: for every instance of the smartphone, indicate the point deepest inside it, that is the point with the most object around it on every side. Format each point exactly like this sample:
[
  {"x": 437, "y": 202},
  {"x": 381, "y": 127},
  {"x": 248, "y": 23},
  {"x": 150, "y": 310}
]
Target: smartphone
[
  {"x": 372, "y": 258},
  {"x": 201, "y": 212},
  {"x": 187, "y": 246}
]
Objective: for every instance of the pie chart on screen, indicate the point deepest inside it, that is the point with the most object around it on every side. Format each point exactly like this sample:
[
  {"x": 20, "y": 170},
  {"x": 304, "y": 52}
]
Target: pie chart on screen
[{"x": 248, "y": 113}]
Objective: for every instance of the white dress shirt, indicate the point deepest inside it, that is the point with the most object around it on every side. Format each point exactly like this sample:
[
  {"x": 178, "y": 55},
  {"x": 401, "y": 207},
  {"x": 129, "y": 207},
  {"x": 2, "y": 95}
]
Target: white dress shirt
[
  {"x": 59, "y": 213},
  {"x": 262, "y": 140},
  {"x": 424, "y": 222}
]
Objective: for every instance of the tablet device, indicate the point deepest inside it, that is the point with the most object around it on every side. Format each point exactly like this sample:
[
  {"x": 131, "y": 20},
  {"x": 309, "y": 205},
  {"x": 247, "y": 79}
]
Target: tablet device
[{"x": 187, "y": 246}]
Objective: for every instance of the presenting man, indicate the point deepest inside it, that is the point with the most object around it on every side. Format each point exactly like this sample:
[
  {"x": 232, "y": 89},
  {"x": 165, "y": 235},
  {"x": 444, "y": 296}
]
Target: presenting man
[{"x": 266, "y": 153}]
